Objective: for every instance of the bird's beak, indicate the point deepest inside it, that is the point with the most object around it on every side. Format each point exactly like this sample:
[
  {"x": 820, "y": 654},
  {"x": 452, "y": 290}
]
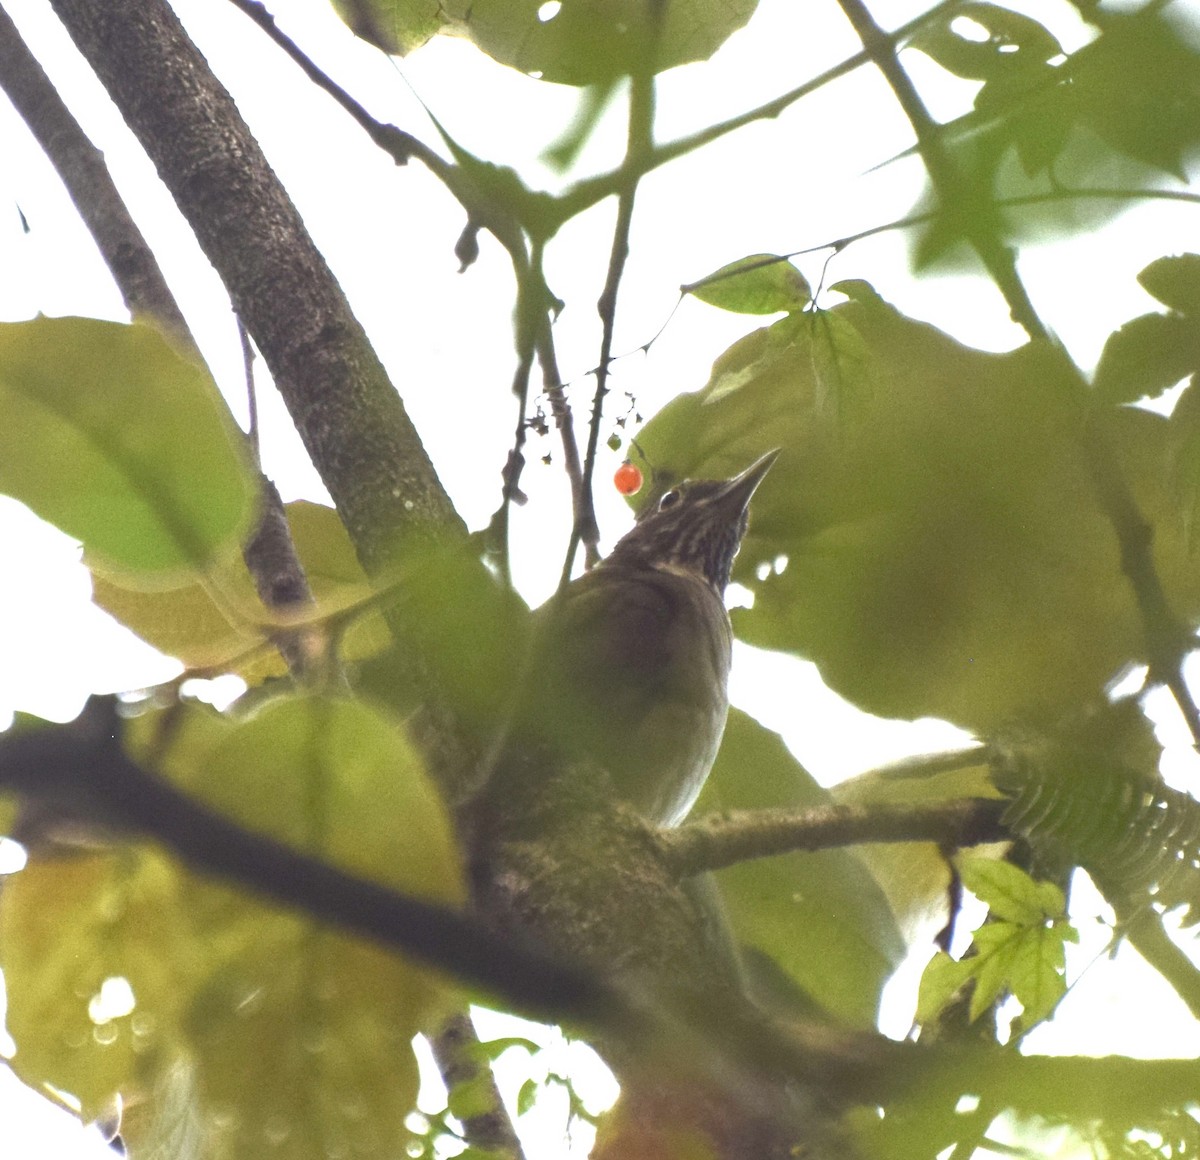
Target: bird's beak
[{"x": 738, "y": 491}]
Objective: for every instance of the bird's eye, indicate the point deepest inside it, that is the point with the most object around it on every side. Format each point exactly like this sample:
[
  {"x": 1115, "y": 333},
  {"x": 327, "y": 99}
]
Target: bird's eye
[{"x": 669, "y": 500}]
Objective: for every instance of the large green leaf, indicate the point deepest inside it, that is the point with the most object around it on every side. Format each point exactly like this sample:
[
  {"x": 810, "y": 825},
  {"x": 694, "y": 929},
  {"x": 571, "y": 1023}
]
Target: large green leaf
[
  {"x": 112, "y": 435},
  {"x": 930, "y": 535},
  {"x": 570, "y": 43},
  {"x": 1117, "y": 114},
  {"x": 255, "y": 1030},
  {"x": 819, "y": 916}
]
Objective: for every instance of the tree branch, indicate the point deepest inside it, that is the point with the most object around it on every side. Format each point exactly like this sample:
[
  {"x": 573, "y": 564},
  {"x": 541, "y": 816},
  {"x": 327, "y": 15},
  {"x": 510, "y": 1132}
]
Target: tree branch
[
  {"x": 639, "y": 145},
  {"x": 270, "y": 554},
  {"x": 84, "y": 765},
  {"x": 456, "y": 1050},
  {"x": 720, "y": 840},
  {"x": 81, "y": 167},
  {"x": 511, "y": 224},
  {"x": 347, "y": 413},
  {"x": 971, "y": 209}
]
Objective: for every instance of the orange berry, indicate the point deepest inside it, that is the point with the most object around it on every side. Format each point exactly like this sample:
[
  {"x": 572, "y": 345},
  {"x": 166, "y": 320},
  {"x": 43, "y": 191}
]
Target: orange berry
[{"x": 628, "y": 479}]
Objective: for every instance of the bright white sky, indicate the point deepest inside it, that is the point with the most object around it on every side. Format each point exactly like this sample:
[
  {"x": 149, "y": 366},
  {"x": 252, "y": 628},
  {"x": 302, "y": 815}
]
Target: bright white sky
[{"x": 388, "y": 233}]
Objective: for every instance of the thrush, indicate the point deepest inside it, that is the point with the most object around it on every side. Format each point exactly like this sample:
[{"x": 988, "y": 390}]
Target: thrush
[{"x": 630, "y": 662}]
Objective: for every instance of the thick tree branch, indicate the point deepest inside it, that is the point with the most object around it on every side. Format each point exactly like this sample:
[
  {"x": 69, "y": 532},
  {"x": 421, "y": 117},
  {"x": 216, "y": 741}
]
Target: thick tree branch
[
  {"x": 83, "y": 171},
  {"x": 270, "y": 554},
  {"x": 84, "y": 766},
  {"x": 350, "y": 418},
  {"x": 511, "y": 224},
  {"x": 720, "y": 840}
]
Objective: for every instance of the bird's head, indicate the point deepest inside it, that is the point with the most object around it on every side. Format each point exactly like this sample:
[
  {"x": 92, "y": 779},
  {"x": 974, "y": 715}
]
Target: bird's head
[{"x": 696, "y": 527}]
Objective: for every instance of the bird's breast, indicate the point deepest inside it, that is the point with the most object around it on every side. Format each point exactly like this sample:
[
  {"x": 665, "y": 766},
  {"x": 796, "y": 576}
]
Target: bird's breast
[{"x": 633, "y": 668}]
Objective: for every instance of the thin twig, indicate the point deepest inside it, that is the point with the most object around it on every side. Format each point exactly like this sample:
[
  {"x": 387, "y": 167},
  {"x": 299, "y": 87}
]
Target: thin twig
[
  {"x": 951, "y": 184},
  {"x": 720, "y": 840},
  {"x": 394, "y": 141},
  {"x": 252, "y": 434},
  {"x": 639, "y": 144}
]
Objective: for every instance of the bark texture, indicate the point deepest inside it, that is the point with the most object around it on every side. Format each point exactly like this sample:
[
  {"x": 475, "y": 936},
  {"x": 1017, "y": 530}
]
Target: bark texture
[{"x": 348, "y": 414}]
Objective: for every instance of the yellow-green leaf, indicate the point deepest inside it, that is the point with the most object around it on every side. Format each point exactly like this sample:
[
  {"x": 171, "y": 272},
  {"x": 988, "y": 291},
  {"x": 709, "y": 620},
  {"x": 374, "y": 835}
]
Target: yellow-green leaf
[
  {"x": 579, "y": 44},
  {"x": 1009, "y": 892},
  {"x": 67, "y": 924},
  {"x": 186, "y": 622},
  {"x": 125, "y": 444},
  {"x": 219, "y": 977},
  {"x": 758, "y": 284}
]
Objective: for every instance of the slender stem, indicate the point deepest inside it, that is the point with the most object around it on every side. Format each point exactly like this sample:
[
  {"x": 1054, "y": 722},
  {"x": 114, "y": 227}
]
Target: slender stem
[
  {"x": 973, "y": 211},
  {"x": 640, "y": 143}
]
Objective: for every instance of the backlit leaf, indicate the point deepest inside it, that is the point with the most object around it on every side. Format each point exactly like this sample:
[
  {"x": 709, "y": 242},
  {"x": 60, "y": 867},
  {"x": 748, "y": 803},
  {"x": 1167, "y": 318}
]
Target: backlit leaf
[
  {"x": 1175, "y": 282},
  {"x": 123, "y": 443},
  {"x": 220, "y": 978},
  {"x": 758, "y": 284},
  {"x": 574, "y": 44},
  {"x": 939, "y": 550}
]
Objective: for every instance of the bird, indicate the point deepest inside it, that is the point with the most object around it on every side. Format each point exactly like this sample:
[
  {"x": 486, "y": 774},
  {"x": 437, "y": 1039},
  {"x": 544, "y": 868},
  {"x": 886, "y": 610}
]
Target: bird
[{"x": 629, "y": 662}]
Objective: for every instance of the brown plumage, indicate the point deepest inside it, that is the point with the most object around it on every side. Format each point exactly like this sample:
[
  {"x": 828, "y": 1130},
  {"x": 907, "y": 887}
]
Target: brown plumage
[{"x": 631, "y": 661}]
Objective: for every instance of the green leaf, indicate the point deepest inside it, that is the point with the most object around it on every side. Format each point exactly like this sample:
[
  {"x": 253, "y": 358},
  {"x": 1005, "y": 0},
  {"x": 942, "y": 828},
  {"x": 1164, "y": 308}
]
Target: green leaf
[
  {"x": 757, "y": 284},
  {"x": 998, "y": 946},
  {"x": 396, "y": 26},
  {"x": 1175, "y": 282},
  {"x": 581, "y": 44},
  {"x": 329, "y": 776},
  {"x": 1009, "y": 892},
  {"x": 1018, "y": 950},
  {"x": 1148, "y": 355},
  {"x": 67, "y": 925},
  {"x": 109, "y": 433},
  {"x": 219, "y": 978},
  {"x": 844, "y": 367},
  {"x": 939, "y": 550},
  {"x": 1036, "y": 976},
  {"x": 527, "y": 1096},
  {"x": 1013, "y": 42},
  {"x": 820, "y": 917},
  {"x": 941, "y": 980},
  {"x": 187, "y": 623}
]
